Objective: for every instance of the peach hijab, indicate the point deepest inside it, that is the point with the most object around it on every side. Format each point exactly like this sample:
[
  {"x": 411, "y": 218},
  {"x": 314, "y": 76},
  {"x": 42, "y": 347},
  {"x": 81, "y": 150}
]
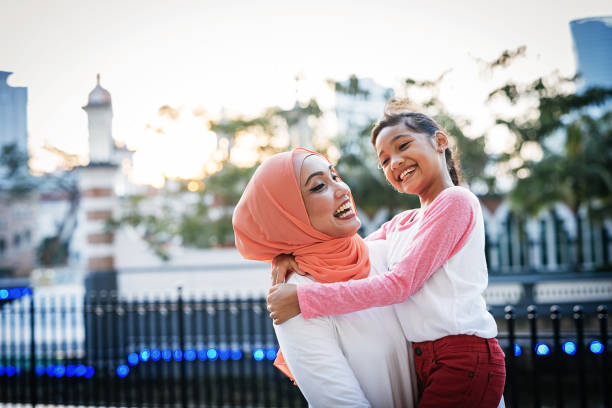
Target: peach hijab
[{"x": 271, "y": 219}]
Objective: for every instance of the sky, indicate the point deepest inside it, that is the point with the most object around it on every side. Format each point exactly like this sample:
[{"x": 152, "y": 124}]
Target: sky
[{"x": 243, "y": 56}]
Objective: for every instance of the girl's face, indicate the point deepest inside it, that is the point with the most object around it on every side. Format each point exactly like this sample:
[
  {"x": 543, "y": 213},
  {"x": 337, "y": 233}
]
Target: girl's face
[
  {"x": 413, "y": 162},
  {"x": 327, "y": 199}
]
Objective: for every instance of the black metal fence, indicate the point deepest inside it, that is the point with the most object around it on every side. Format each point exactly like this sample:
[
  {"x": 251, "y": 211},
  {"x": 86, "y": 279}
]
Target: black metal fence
[{"x": 107, "y": 351}]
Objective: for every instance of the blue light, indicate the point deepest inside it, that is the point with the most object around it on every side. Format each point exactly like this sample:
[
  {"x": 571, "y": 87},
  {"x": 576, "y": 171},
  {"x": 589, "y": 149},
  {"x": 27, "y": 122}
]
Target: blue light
[
  {"x": 542, "y": 349},
  {"x": 4, "y": 293},
  {"x": 14, "y": 293},
  {"x": 10, "y": 371},
  {"x": 258, "y": 354},
  {"x": 569, "y": 347},
  {"x": 190, "y": 355},
  {"x": 167, "y": 355},
  {"x": 1, "y": 370},
  {"x": 271, "y": 354},
  {"x": 155, "y": 355},
  {"x": 60, "y": 370},
  {"x": 517, "y": 350},
  {"x": 596, "y": 347},
  {"x": 178, "y": 355},
  {"x": 40, "y": 370},
  {"x": 123, "y": 370},
  {"x": 89, "y": 372},
  {"x": 133, "y": 359},
  {"x": 212, "y": 354},
  {"x": 236, "y": 354},
  {"x": 70, "y": 370},
  {"x": 26, "y": 292},
  {"x": 202, "y": 355},
  {"x": 224, "y": 354},
  {"x": 145, "y": 354},
  {"x": 80, "y": 370},
  {"x": 50, "y": 370}
]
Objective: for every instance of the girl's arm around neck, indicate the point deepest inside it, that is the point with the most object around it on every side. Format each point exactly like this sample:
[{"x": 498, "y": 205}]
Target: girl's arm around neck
[{"x": 446, "y": 225}]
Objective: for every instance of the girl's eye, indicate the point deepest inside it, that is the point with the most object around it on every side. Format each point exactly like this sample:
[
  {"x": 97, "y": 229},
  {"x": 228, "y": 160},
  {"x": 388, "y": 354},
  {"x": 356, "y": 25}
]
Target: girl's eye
[
  {"x": 318, "y": 187},
  {"x": 335, "y": 177},
  {"x": 404, "y": 145},
  {"x": 384, "y": 162}
]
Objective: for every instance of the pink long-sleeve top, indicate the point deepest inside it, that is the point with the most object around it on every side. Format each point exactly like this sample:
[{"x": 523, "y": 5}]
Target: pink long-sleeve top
[{"x": 437, "y": 273}]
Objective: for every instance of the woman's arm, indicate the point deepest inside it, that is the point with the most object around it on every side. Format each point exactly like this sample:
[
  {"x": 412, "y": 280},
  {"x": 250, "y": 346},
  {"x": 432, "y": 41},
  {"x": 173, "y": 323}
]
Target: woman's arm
[{"x": 445, "y": 227}]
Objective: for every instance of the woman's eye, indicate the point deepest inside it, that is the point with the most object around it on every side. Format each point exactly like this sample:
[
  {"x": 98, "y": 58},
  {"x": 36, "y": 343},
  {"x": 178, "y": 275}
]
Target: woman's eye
[
  {"x": 318, "y": 187},
  {"x": 335, "y": 177},
  {"x": 404, "y": 145},
  {"x": 384, "y": 162}
]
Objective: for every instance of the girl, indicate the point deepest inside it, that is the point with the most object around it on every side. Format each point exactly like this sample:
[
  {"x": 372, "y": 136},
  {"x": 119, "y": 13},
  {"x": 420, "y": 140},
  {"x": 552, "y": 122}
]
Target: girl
[
  {"x": 295, "y": 202},
  {"x": 437, "y": 270}
]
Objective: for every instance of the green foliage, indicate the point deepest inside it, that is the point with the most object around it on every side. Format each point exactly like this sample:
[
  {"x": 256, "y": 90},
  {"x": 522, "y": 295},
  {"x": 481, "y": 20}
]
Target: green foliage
[
  {"x": 352, "y": 88},
  {"x": 52, "y": 252},
  {"x": 17, "y": 180}
]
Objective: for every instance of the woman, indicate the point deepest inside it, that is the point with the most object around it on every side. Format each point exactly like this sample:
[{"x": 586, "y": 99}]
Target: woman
[{"x": 296, "y": 203}]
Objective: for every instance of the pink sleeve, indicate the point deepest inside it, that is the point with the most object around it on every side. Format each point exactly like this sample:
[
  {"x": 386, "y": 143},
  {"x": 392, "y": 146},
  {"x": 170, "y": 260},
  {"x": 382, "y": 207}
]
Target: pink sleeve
[
  {"x": 381, "y": 233},
  {"x": 446, "y": 225}
]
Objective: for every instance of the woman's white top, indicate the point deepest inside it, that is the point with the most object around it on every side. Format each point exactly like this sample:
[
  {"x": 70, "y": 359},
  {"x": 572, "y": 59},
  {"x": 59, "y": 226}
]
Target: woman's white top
[{"x": 360, "y": 359}]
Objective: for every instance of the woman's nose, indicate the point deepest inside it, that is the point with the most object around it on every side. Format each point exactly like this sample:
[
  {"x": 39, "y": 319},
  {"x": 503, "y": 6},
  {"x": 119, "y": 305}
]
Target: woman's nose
[{"x": 342, "y": 190}]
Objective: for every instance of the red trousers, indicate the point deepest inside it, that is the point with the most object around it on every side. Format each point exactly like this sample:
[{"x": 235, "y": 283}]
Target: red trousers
[{"x": 460, "y": 371}]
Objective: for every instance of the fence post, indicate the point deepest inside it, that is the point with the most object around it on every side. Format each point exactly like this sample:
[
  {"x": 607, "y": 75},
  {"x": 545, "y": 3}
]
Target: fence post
[
  {"x": 555, "y": 316},
  {"x": 532, "y": 314},
  {"x": 579, "y": 322},
  {"x": 602, "y": 316},
  {"x": 510, "y": 318},
  {"x": 183, "y": 367},
  {"x": 33, "y": 385}
]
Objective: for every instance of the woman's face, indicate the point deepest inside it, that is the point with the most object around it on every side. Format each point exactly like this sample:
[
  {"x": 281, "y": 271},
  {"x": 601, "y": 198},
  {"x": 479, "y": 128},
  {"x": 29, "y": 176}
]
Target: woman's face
[{"x": 327, "y": 199}]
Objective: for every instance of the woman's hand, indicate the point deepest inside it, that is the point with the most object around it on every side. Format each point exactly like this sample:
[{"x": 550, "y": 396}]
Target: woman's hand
[
  {"x": 283, "y": 264},
  {"x": 283, "y": 302}
]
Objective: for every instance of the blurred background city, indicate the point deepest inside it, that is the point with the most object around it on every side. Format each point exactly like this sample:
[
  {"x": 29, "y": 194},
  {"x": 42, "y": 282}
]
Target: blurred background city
[{"x": 129, "y": 130}]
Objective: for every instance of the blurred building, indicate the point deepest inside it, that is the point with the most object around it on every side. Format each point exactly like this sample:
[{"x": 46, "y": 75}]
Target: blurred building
[
  {"x": 13, "y": 114},
  {"x": 593, "y": 49},
  {"x": 358, "y": 102},
  {"x": 17, "y": 235},
  {"x": 17, "y": 212}
]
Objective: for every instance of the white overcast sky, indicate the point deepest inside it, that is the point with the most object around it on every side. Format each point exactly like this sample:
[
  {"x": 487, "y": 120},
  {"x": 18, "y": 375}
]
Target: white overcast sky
[{"x": 244, "y": 55}]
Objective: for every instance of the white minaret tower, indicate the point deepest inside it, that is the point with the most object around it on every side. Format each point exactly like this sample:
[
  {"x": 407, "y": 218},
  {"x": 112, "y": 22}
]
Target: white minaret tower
[
  {"x": 99, "y": 110},
  {"x": 97, "y": 190}
]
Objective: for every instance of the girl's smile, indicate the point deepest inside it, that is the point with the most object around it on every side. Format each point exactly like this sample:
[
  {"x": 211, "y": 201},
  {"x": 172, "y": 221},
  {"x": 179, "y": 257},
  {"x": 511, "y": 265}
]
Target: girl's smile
[{"x": 413, "y": 162}]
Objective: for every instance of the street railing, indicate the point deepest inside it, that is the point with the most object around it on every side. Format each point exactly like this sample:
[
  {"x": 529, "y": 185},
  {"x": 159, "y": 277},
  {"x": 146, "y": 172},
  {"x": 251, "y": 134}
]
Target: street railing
[{"x": 104, "y": 350}]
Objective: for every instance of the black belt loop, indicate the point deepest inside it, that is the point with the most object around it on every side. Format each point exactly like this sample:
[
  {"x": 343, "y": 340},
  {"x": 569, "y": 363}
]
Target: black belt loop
[{"x": 488, "y": 341}]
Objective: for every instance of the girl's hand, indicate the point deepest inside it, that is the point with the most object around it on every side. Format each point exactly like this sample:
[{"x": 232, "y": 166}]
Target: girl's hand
[
  {"x": 283, "y": 264},
  {"x": 283, "y": 302}
]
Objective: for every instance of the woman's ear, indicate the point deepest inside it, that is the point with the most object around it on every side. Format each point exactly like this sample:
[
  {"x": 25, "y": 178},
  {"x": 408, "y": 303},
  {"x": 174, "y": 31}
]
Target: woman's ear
[{"x": 441, "y": 141}]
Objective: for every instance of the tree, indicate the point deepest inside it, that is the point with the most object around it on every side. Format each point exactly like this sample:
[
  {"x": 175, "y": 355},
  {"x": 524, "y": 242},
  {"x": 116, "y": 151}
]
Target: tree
[
  {"x": 576, "y": 163},
  {"x": 18, "y": 183}
]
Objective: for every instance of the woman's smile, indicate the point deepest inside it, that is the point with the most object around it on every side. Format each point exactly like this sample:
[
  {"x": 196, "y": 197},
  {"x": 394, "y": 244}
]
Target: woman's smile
[{"x": 327, "y": 198}]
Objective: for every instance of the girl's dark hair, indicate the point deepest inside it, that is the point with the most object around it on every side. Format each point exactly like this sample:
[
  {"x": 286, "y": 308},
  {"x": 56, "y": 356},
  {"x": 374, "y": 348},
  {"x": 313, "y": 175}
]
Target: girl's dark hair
[{"x": 399, "y": 111}]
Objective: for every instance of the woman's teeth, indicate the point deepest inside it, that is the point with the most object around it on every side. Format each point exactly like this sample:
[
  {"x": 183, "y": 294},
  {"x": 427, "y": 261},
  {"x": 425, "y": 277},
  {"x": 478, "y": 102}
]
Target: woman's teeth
[{"x": 344, "y": 210}]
